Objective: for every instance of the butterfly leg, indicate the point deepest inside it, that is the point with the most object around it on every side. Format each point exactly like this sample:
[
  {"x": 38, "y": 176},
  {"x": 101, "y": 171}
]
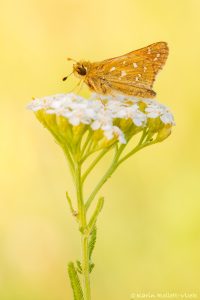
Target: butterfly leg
[
  {"x": 81, "y": 85},
  {"x": 77, "y": 85}
]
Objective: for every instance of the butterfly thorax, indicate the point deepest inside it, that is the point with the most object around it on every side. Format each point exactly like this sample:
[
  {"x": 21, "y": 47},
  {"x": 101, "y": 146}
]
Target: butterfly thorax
[{"x": 81, "y": 68}]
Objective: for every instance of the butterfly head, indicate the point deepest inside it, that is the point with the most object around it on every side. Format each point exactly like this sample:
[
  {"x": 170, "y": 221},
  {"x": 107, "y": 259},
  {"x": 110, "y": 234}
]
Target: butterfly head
[{"x": 80, "y": 69}]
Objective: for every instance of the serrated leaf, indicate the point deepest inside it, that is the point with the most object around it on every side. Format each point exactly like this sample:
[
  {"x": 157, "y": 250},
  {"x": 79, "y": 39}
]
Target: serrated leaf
[
  {"x": 91, "y": 267},
  {"x": 96, "y": 213},
  {"x": 92, "y": 241},
  {"x": 75, "y": 282},
  {"x": 79, "y": 267}
]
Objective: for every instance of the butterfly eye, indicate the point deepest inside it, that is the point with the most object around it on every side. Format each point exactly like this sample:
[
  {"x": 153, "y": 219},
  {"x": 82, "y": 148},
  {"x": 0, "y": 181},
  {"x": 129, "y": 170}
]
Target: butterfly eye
[{"x": 82, "y": 71}]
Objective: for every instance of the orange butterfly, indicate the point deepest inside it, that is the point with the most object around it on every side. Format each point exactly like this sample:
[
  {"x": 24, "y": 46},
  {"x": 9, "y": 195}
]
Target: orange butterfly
[{"x": 130, "y": 74}]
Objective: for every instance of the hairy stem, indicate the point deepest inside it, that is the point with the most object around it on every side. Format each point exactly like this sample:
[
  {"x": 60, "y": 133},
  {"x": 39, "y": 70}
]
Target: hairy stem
[
  {"x": 85, "y": 267},
  {"x": 83, "y": 230}
]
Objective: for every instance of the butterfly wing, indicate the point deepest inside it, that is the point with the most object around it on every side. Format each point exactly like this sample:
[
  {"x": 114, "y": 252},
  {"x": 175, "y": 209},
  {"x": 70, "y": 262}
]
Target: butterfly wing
[{"x": 134, "y": 72}]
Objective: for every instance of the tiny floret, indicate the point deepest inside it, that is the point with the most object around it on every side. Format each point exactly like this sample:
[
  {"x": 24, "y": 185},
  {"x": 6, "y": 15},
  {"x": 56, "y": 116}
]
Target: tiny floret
[{"x": 155, "y": 110}]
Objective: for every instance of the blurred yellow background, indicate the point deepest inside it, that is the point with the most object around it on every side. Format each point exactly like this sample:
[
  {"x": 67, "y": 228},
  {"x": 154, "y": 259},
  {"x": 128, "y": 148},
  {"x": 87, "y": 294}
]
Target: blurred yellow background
[{"x": 149, "y": 231}]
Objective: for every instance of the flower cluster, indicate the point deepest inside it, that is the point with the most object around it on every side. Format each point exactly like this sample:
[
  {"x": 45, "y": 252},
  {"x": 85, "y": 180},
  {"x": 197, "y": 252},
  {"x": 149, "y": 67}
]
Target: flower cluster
[{"x": 109, "y": 118}]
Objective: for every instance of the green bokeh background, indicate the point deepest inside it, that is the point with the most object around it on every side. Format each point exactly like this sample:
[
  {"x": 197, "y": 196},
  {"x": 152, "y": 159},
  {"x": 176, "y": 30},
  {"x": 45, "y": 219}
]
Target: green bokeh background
[{"x": 149, "y": 231}]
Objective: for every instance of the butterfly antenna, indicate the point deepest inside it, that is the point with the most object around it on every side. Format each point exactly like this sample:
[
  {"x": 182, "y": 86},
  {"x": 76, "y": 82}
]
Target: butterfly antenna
[
  {"x": 65, "y": 78},
  {"x": 71, "y": 59}
]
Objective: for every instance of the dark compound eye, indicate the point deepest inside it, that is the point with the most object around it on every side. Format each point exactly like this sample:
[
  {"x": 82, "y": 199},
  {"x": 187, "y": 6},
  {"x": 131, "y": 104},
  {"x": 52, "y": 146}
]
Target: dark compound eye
[{"x": 82, "y": 71}]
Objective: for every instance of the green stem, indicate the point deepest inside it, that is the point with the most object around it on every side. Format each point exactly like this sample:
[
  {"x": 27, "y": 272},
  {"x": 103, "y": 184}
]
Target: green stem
[
  {"x": 86, "y": 143},
  {"x": 84, "y": 237},
  {"x": 115, "y": 163},
  {"x": 70, "y": 160},
  {"x": 136, "y": 149},
  {"x": 108, "y": 173},
  {"x": 85, "y": 267},
  {"x": 93, "y": 164}
]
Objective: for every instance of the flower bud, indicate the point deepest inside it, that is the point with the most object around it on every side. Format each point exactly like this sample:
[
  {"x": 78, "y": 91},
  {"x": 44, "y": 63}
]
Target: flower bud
[{"x": 163, "y": 133}]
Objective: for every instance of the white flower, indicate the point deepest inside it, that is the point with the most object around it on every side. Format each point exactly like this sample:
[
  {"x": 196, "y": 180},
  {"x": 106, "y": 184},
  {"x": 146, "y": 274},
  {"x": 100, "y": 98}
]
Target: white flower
[
  {"x": 115, "y": 131},
  {"x": 38, "y": 104},
  {"x": 102, "y": 121},
  {"x": 167, "y": 118},
  {"x": 155, "y": 110},
  {"x": 101, "y": 112},
  {"x": 138, "y": 117}
]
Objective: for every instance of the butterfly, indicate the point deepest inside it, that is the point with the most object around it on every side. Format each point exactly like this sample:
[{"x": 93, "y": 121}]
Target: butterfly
[{"x": 130, "y": 74}]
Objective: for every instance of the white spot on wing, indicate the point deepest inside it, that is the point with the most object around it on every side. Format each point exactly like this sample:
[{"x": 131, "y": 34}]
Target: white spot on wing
[
  {"x": 155, "y": 59},
  {"x": 145, "y": 68},
  {"x": 123, "y": 73},
  {"x": 112, "y": 69},
  {"x": 135, "y": 65},
  {"x": 136, "y": 78},
  {"x": 158, "y": 55}
]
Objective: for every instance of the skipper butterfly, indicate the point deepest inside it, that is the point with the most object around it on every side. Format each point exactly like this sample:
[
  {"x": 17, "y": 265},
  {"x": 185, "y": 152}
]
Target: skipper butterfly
[{"x": 130, "y": 74}]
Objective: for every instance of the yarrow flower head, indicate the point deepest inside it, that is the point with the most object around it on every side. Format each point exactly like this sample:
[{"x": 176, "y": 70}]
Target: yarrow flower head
[{"x": 106, "y": 119}]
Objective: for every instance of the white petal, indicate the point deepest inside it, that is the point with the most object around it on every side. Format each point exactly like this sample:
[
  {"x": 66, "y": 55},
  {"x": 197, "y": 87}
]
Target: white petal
[
  {"x": 74, "y": 120},
  {"x": 153, "y": 115},
  {"x": 95, "y": 125},
  {"x": 108, "y": 134},
  {"x": 167, "y": 118}
]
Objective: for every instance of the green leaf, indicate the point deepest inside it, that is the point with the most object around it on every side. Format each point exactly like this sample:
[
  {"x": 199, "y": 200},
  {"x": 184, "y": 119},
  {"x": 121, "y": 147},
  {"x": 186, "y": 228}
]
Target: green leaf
[
  {"x": 92, "y": 241},
  {"x": 74, "y": 213},
  {"x": 79, "y": 267},
  {"x": 91, "y": 267},
  {"x": 97, "y": 211},
  {"x": 75, "y": 282}
]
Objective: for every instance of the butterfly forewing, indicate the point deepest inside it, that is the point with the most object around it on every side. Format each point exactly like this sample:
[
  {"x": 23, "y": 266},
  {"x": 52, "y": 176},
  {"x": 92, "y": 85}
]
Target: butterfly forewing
[{"x": 132, "y": 73}]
